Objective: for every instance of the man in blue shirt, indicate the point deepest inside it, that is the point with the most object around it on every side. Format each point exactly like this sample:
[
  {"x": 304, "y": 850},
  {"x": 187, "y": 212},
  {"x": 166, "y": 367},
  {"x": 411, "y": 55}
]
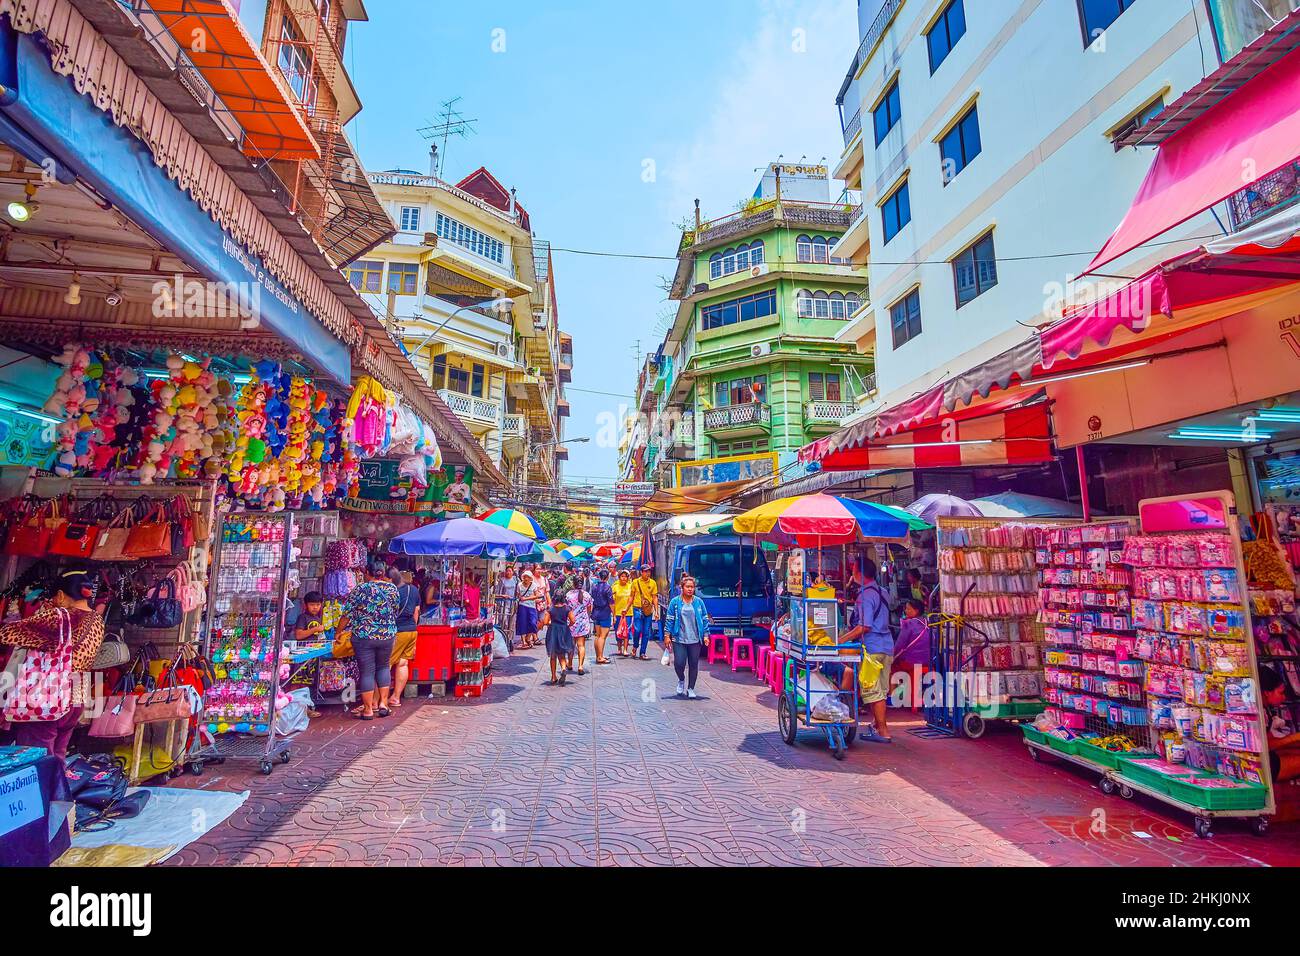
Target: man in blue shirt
[{"x": 872, "y": 631}]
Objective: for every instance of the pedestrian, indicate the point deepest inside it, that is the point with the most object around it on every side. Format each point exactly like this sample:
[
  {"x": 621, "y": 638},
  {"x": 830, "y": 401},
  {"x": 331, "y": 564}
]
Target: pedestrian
[
  {"x": 532, "y": 595},
  {"x": 559, "y": 638},
  {"x": 431, "y": 599},
  {"x": 408, "y": 616},
  {"x": 686, "y": 628},
  {"x": 645, "y": 611},
  {"x": 472, "y": 591},
  {"x": 580, "y": 602},
  {"x": 507, "y": 599},
  {"x": 872, "y": 630},
  {"x": 602, "y": 612},
  {"x": 912, "y": 650},
  {"x": 623, "y": 612},
  {"x": 370, "y": 613},
  {"x": 67, "y": 618}
]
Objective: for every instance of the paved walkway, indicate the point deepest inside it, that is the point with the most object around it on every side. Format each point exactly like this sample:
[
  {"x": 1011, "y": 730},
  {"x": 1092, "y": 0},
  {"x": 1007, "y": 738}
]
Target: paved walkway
[{"x": 612, "y": 770}]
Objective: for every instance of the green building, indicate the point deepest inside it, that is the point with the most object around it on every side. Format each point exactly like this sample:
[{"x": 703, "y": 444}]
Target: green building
[{"x": 752, "y": 363}]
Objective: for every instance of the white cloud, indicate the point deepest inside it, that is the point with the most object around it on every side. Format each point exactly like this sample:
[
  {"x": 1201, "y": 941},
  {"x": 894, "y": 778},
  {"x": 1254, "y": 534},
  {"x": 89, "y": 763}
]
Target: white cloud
[{"x": 768, "y": 99}]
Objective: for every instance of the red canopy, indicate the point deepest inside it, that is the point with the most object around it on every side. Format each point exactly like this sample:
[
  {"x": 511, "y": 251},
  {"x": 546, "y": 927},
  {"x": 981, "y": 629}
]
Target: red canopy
[{"x": 1248, "y": 135}]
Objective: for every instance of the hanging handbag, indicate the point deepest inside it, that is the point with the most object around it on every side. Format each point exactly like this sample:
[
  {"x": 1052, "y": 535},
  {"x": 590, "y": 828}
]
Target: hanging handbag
[
  {"x": 117, "y": 719},
  {"x": 181, "y": 515},
  {"x": 43, "y": 689},
  {"x": 170, "y": 701},
  {"x": 159, "y": 609},
  {"x": 78, "y": 536},
  {"x": 113, "y": 536},
  {"x": 150, "y": 538},
  {"x": 112, "y": 653},
  {"x": 29, "y": 535}
]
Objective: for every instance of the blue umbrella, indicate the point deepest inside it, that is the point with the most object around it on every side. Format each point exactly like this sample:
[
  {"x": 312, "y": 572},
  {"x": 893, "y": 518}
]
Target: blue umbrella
[{"x": 462, "y": 537}]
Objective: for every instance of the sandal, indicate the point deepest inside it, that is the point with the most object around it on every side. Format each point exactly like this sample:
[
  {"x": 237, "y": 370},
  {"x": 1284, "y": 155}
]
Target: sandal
[
  {"x": 384, "y": 712},
  {"x": 364, "y": 716},
  {"x": 603, "y": 660},
  {"x": 581, "y": 672},
  {"x": 563, "y": 675}
]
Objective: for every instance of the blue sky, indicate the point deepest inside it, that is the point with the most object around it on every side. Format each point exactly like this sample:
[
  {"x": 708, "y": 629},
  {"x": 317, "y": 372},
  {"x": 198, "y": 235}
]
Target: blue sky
[{"x": 578, "y": 105}]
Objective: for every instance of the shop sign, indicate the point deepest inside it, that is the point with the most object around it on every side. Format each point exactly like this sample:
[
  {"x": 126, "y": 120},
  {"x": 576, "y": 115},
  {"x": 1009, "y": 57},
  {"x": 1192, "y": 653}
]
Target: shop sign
[
  {"x": 633, "y": 492},
  {"x": 382, "y": 489},
  {"x": 20, "y": 799},
  {"x": 712, "y": 471},
  {"x": 24, "y": 441}
]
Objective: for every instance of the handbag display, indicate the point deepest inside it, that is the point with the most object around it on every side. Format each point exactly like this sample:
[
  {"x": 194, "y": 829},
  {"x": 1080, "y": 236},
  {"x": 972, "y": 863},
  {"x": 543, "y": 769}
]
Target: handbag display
[
  {"x": 96, "y": 780},
  {"x": 170, "y": 701},
  {"x": 111, "y": 543},
  {"x": 118, "y": 716},
  {"x": 30, "y": 533},
  {"x": 79, "y": 535},
  {"x": 189, "y": 590},
  {"x": 43, "y": 689},
  {"x": 160, "y": 609},
  {"x": 112, "y": 653},
  {"x": 150, "y": 538},
  {"x": 181, "y": 514}
]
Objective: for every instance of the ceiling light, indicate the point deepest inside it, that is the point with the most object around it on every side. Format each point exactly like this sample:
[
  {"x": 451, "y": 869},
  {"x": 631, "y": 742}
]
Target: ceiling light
[
  {"x": 114, "y": 297},
  {"x": 73, "y": 296},
  {"x": 21, "y": 210},
  {"x": 19, "y": 410},
  {"x": 1278, "y": 414},
  {"x": 1195, "y": 433},
  {"x": 1087, "y": 371}
]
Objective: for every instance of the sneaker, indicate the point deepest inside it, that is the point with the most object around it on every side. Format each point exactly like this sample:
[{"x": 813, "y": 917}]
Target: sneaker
[
  {"x": 681, "y": 688},
  {"x": 691, "y": 693}
]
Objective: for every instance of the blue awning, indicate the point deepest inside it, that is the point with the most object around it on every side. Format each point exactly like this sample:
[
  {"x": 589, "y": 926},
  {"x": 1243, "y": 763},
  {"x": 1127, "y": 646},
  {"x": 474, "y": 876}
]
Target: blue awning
[{"x": 39, "y": 109}]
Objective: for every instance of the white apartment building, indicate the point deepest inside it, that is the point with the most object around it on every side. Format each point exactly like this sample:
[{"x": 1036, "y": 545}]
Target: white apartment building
[
  {"x": 469, "y": 294},
  {"x": 981, "y": 134}
]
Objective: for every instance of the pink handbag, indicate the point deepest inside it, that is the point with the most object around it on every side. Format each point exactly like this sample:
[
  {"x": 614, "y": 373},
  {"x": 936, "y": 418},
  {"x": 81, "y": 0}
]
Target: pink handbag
[
  {"x": 43, "y": 690},
  {"x": 118, "y": 716}
]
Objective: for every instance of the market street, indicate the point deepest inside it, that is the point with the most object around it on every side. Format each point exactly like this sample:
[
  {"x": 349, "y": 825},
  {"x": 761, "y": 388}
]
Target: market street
[{"x": 587, "y": 774}]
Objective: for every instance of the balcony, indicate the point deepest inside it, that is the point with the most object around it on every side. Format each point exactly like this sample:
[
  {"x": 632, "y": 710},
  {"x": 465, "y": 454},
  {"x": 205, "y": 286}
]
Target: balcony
[
  {"x": 736, "y": 421},
  {"x": 853, "y": 127},
  {"x": 566, "y": 366},
  {"x": 1265, "y": 196},
  {"x": 514, "y": 434},
  {"x": 475, "y": 412},
  {"x": 826, "y": 415}
]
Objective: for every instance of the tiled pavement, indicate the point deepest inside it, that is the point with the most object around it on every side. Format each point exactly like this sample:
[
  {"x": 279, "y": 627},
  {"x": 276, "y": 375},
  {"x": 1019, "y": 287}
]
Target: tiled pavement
[{"x": 593, "y": 774}]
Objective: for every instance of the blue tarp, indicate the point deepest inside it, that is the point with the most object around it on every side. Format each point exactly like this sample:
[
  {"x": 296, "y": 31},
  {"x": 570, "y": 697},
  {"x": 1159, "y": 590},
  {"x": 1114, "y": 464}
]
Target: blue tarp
[
  {"x": 462, "y": 537},
  {"x": 41, "y": 112}
]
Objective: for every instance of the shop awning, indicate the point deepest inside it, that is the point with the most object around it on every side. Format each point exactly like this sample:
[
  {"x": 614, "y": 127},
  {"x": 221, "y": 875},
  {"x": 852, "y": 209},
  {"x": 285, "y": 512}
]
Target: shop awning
[
  {"x": 693, "y": 498},
  {"x": 1257, "y": 128},
  {"x": 239, "y": 74},
  {"x": 987, "y": 436}
]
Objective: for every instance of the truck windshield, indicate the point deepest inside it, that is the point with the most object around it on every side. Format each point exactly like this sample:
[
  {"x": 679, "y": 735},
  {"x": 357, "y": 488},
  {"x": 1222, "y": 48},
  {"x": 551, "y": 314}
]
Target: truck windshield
[{"x": 717, "y": 571}]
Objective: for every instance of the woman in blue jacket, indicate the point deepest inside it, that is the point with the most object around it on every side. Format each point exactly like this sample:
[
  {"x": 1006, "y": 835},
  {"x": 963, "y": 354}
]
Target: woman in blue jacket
[{"x": 686, "y": 629}]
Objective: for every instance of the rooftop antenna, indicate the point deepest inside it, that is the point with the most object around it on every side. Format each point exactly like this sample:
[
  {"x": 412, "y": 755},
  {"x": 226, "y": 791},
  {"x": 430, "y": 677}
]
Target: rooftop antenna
[{"x": 450, "y": 122}]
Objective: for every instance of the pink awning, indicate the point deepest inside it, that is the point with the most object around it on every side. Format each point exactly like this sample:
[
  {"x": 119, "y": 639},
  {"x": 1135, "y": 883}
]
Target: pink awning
[{"x": 1250, "y": 134}]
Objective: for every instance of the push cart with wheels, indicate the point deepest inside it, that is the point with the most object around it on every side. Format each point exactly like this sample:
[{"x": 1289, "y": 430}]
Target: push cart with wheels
[{"x": 812, "y": 652}]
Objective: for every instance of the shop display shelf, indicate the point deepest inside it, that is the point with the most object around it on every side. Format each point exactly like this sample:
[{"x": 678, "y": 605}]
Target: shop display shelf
[
  {"x": 1034, "y": 735},
  {"x": 1069, "y": 747},
  {"x": 1245, "y": 796},
  {"x": 1144, "y": 775}
]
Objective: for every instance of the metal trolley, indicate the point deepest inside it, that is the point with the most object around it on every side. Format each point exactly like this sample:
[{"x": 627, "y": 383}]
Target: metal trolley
[{"x": 803, "y": 657}]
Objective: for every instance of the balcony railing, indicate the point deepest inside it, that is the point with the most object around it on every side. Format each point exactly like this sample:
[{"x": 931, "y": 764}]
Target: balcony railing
[
  {"x": 515, "y": 426},
  {"x": 433, "y": 182},
  {"x": 822, "y": 412},
  {"x": 853, "y": 127},
  {"x": 1265, "y": 196},
  {"x": 738, "y": 416},
  {"x": 467, "y": 406},
  {"x": 869, "y": 386}
]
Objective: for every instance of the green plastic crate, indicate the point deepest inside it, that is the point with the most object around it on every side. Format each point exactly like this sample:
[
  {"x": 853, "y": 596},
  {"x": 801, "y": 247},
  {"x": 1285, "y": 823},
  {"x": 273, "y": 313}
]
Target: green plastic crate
[
  {"x": 1062, "y": 746},
  {"x": 1098, "y": 755},
  {"x": 1013, "y": 710},
  {"x": 1034, "y": 736},
  {"x": 1144, "y": 775},
  {"x": 1247, "y": 796}
]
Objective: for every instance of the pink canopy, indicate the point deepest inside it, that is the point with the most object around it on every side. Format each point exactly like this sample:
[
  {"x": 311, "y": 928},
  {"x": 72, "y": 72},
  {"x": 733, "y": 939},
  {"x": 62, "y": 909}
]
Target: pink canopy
[{"x": 1248, "y": 135}]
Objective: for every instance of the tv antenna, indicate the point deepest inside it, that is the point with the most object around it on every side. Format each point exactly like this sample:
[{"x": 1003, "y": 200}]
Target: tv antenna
[{"x": 450, "y": 122}]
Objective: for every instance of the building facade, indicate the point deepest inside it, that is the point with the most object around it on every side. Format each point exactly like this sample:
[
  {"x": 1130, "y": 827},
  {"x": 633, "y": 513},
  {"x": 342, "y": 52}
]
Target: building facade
[{"x": 471, "y": 297}]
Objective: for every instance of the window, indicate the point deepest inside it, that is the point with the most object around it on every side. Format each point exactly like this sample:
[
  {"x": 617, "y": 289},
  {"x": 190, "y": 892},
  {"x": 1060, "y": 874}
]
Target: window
[
  {"x": 439, "y": 371},
  {"x": 905, "y": 318},
  {"x": 295, "y": 61},
  {"x": 975, "y": 270},
  {"x": 410, "y": 219},
  {"x": 739, "y": 391},
  {"x": 720, "y": 570},
  {"x": 402, "y": 277},
  {"x": 895, "y": 211},
  {"x": 886, "y": 113},
  {"x": 825, "y": 305},
  {"x": 947, "y": 30},
  {"x": 813, "y": 248},
  {"x": 469, "y": 238},
  {"x": 744, "y": 309},
  {"x": 746, "y": 447},
  {"x": 476, "y": 381},
  {"x": 1140, "y": 118},
  {"x": 1095, "y": 16},
  {"x": 824, "y": 386},
  {"x": 365, "y": 275},
  {"x": 458, "y": 379},
  {"x": 735, "y": 260},
  {"x": 960, "y": 145},
  {"x": 1236, "y": 24}
]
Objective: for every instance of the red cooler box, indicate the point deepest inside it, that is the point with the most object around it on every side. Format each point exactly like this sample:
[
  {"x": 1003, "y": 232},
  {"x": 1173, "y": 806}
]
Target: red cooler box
[{"x": 433, "y": 643}]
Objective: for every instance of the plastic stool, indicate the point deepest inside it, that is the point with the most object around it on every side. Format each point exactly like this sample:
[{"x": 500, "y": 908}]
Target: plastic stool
[
  {"x": 745, "y": 660},
  {"x": 776, "y": 672},
  {"x": 760, "y": 668},
  {"x": 719, "y": 648}
]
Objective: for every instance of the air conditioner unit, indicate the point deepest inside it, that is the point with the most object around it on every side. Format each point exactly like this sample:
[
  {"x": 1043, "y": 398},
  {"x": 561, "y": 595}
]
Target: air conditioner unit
[
  {"x": 503, "y": 350},
  {"x": 758, "y": 270},
  {"x": 760, "y": 348},
  {"x": 430, "y": 238},
  {"x": 699, "y": 288}
]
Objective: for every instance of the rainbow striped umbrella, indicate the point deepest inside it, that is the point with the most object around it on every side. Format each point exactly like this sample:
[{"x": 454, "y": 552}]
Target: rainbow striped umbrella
[
  {"x": 573, "y": 552},
  {"x": 517, "y": 521}
]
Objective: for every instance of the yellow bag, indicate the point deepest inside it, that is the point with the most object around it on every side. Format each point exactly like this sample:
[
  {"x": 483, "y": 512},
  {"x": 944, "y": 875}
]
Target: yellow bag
[
  {"x": 869, "y": 672},
  {"x": 342, "y": 645}
]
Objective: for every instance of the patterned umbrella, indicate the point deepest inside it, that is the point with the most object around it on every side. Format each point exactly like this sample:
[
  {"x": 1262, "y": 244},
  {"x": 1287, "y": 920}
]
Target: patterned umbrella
[
  {"x": 608, "y": 549},
  {"x": 815, "y": 520},
  {"x": 517, "y": 521}
]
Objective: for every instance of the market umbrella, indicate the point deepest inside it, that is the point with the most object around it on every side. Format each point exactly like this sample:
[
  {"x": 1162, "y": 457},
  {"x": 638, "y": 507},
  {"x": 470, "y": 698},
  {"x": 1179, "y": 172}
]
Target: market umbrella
[
  {"x": 816, "y": 520},
  {"x": 929, "y": 507},
  {"x": 462, "y": 537},
  {"x": 574, "y": 552},
  {"x": 913, "y": 522},
  {"x": 1012, "y": 504},
  {"x": 519, "y": 521},
  {"x": 608, "y": 549},
  {"x": 542, "y": 553}
]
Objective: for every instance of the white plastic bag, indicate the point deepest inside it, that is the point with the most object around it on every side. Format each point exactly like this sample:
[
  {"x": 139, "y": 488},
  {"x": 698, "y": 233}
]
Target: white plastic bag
[
  {"x": 667, "y": 657},
  {"x": 292, "y": 717},
  {"x": 499, "y": 647}
]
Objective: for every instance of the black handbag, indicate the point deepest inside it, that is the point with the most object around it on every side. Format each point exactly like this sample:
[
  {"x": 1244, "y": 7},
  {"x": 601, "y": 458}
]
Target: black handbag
[
  {"x": 160, "y": 609},
  {"x": 96, "y": 781}
]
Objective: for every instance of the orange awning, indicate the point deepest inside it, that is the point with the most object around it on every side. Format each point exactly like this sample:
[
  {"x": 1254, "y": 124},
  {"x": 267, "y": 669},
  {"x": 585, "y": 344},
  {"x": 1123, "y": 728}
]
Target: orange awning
[{"x": 238, "y": 73}]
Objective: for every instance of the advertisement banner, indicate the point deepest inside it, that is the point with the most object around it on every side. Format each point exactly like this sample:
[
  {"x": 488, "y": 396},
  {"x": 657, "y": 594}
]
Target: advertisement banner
[
  {"x": 381, "y": 489},
  {"x": 633, "y": 492},
  {"x": 712, "y": 471}
]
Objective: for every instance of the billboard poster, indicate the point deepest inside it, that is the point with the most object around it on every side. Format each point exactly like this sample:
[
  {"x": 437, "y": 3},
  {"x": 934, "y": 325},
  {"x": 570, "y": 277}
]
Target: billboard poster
[
  {"x": 712, "y": 471},
  {"x": 382, "y": 489}
]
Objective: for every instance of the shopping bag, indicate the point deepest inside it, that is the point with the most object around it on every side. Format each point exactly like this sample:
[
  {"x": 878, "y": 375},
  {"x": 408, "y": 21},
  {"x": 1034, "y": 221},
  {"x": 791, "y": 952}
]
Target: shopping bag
[
  {"x": 623, "y": 632},
  {"x": 150, "y": 538},
  {"x": 118, "y": 716},
  {"x": 43, "y": 689},
  {"x": 869, "y": 672},
  {"x": 666, "y": 658}
]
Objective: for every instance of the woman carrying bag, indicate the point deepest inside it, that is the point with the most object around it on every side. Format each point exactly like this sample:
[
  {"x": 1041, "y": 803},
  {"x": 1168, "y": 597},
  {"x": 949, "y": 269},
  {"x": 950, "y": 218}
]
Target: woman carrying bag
[
  {"x": 60, "y": 639},
  {"x": 686, "y": 630}
]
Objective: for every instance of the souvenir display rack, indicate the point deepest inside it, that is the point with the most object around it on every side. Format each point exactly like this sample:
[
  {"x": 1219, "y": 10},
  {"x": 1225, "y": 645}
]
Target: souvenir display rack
[
  {"x": 245, "y": 635},
  {"x": 313, "y": 530}
]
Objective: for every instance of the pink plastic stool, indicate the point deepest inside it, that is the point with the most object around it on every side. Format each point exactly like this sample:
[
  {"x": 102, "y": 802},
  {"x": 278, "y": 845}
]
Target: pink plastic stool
[
  {"x": 742, "y": 654},
  {"x": 760, "y": 668},
  {"x": 719, "y": 648},
  {"x": 776, "y": 672}
]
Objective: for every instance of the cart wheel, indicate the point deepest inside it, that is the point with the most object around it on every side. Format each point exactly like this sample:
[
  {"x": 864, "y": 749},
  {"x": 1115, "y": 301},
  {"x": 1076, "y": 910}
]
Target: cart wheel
[
  {"x": 786, "y": 720},
  {"x": 849, "y": 734},
  {"x": 176, "y": 771},
  {"x": 284, "y": 756},
  {"x": 1034, "y": 755},
  {"x": 837, "y": 749},
  {"x": 973, "y": 726},
  {"x": 266, "y": 768},
  {"x": 1259, "y": 826},
  {"x": 1202, "y": 826},
  {"x": 1107, "y": 786},
  {"x": 1126, "y": 791},
  {"x": 195, "y": 767}
]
